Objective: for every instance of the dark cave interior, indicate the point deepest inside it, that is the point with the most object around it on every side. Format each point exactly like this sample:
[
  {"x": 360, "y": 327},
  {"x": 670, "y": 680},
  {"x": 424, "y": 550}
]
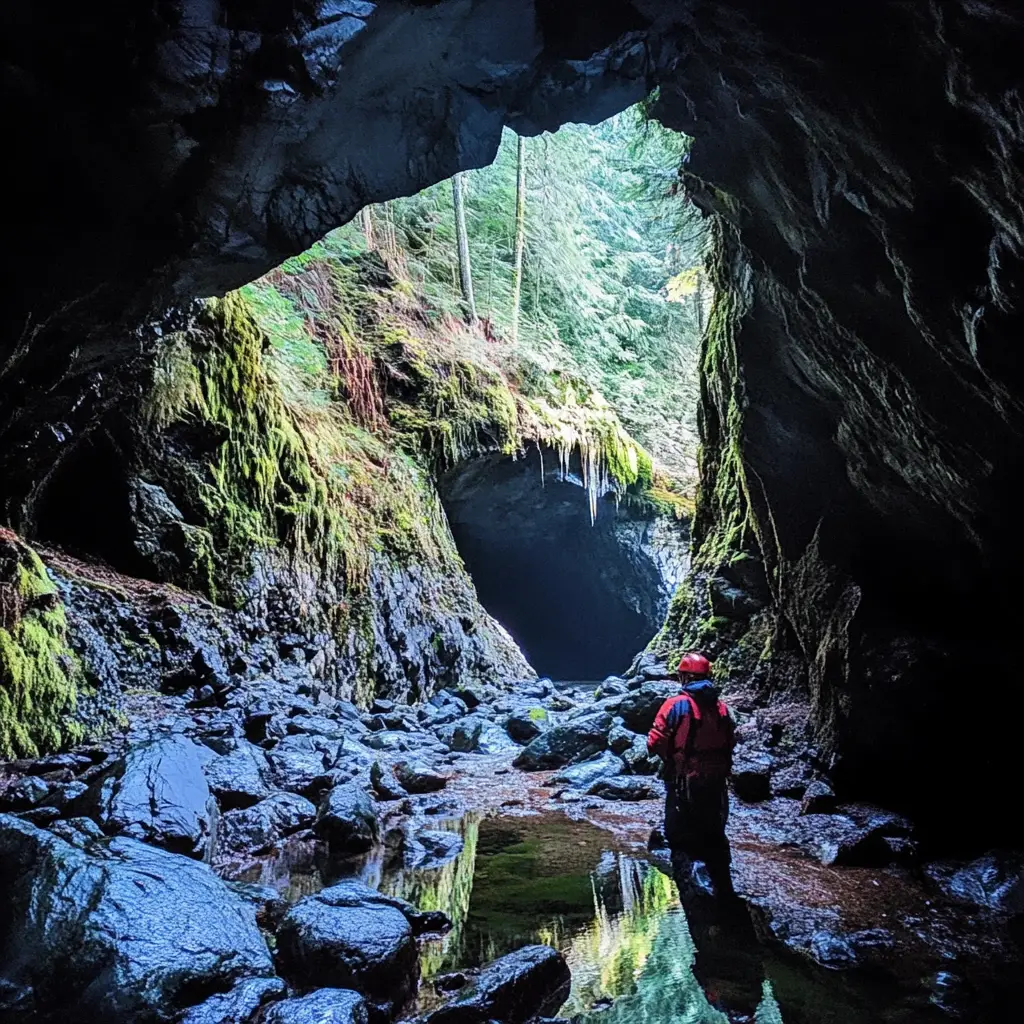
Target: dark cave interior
[{"x": 580, "y": 598}]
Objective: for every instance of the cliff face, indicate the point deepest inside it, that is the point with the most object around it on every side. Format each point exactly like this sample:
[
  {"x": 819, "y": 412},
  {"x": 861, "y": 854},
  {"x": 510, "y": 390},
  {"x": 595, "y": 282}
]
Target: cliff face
[
  {"x": 263, "y": 502},
  {"x": 855, "y": 538},
  {"x": 861, "y": 404}
]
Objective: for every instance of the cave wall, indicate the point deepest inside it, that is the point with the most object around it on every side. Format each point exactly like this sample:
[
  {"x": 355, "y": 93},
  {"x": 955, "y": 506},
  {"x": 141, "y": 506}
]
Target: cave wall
[{"x": 861, "y": 403}]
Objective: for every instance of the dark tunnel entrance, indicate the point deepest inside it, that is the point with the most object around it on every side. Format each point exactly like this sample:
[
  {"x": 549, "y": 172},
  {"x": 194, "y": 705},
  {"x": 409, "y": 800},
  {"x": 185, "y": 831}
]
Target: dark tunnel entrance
[{"x": 579, "y": 598}]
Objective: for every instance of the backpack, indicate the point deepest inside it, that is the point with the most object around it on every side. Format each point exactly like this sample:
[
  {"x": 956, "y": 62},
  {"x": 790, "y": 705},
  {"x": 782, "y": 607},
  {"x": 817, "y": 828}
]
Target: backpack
[{"x": 703, "y": 742}]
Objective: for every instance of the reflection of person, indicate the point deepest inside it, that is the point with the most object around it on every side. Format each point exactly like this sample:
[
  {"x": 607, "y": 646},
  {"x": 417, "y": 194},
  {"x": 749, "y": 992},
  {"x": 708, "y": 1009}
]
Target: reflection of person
[{"x": 694, "y": 735}]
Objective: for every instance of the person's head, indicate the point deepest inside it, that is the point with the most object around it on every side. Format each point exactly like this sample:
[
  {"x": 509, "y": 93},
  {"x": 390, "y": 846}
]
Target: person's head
[{"x": 693, "y": 667}]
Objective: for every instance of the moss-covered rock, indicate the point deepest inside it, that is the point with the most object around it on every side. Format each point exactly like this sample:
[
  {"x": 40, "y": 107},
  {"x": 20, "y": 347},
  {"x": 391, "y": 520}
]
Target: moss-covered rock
[{"x": 38, "y": 673}]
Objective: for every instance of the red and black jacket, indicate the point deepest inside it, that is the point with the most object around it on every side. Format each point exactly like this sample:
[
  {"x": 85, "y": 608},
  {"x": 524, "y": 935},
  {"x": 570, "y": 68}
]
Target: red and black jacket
[{"x": 694, "y": 733}]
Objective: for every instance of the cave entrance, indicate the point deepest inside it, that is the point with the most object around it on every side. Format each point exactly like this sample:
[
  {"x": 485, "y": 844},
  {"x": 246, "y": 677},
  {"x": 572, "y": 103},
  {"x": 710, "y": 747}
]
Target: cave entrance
[
  {"x": 84, "y": 506},
  {"x": 579, "y": 598}
]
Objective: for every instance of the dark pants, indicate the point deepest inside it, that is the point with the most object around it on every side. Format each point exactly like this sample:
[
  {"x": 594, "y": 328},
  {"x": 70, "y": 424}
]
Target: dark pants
[{"x": 696, "y": 813}]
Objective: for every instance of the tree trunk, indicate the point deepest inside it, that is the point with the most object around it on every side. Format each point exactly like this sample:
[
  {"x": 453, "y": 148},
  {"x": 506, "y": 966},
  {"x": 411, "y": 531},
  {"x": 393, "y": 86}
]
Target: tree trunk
[
  {"x": 465, "y": 270},
  {"x": 366, "y": 223},
  {"x": 517, "y": 270}
]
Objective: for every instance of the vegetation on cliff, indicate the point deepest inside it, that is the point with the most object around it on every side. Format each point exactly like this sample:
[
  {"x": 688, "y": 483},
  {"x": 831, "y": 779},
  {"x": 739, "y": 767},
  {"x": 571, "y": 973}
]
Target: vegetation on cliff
[{"x": 38, "y": 672}]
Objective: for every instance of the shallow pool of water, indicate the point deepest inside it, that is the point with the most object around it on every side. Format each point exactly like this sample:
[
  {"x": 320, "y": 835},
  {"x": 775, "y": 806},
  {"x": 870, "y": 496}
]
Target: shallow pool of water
[{"x": 634, "y": 953}]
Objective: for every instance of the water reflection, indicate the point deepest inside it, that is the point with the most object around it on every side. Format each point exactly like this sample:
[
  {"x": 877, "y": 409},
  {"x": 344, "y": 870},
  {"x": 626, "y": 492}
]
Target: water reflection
[
  {"x": 548, "y": 879},
  {"x": 636, "y": 954}
]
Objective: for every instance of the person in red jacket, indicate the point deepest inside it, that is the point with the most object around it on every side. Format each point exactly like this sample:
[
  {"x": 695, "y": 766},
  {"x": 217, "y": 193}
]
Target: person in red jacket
[{"x": 694, "y": 735}]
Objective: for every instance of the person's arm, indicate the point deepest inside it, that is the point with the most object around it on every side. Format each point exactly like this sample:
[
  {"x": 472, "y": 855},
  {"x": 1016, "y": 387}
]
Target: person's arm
[{"x": 659, "y": 739}]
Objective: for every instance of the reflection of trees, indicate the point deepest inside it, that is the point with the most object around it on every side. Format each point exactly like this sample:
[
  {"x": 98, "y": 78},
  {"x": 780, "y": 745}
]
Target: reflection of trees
[{"x": 447, "y": 888}]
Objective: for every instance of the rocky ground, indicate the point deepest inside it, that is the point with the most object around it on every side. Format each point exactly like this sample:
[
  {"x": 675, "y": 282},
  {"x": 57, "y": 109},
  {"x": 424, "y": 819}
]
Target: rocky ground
[{"x": 128, "y": 867}]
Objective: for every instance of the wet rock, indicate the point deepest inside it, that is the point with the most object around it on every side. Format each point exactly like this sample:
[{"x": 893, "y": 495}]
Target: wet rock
[
  {"x": 563, "y": 743},
  {"x": 345, "y": 936},
  {"x": 297, "y": 764},
  {"x": 613, "y": 685},
  {"x": 158, "y": 793},
  {"x": 39, "y": 815},
  {"x": 315, "y": 725},
  {"x": 269, "y": 903},
  {"x": 347, "y": 820},
  {"x": 238, "y": 1006},
  {"x": 624, "y": 787},
  {"x": 115, "y": 929},
  {"x": 493, "y": 740},
  {"x": 325, "y": 1006},
  {"x": 638, "y": 761},
  {"x": 620, "y": 739},
  {"x": 382, "y": 707},
  {"x": 792, "y": 779},
  {"x": 995, "y": 880},
  {"x": 73, "y": 762},
  {"x": 560, "y": 702},
  {"x": 418, "y": 777},
  {"x": 23, "y": 794},
  {"x": 257, "y": 828},
  {"x": 239, "y": 778},
  {"x": 385, "y": 785},
  {"x": 586, "y": 773},
  {"x": 64, "y": 795},
  {"x": 819, "y": 798},
  {"x": 430, "y": 849},
  {"x": 531, "y": 981},
  {"x": 752, "y": 775},
  {"x": 523, "y": 726},
  {"x": 464, "y": 735},
  {"x": 864, "y": 837},
  {"x": 639, "y": 707}
]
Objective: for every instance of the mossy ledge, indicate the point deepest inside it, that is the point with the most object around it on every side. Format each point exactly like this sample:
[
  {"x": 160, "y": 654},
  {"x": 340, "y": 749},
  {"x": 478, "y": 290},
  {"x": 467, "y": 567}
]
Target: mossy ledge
[
  {"x": 39, "y": 675},
  {"x": 329, "y": 398}
]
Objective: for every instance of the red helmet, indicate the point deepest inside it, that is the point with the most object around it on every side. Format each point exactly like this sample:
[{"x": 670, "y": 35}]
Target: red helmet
[{"x": 696, "y": 664}]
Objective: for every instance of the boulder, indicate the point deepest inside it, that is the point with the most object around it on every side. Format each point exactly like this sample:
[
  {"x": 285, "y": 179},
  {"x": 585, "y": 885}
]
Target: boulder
[
  {"x": 818, "y": 799},
  {"x": 315, "y": 725},
  {"x": 639, "y": 707},
  {"x": 157, "y": 793},
  {"x": 346, "y": 936},
  {"x": 586, "y": 773},
  {"x": 531, "y": 982},
  {"x": 256, "y": 829},
  {"x": 239, "y": 778},
  {"x": 995, "y": 880},
  {"x": 563, "y": 743},
  {"x": 417, "y": 777},
  {"x": 23, "y": 794},
  {"x": 751, "y": 775},
  {"x": 638, "y": 761},
  {"x": 464, "y": 734},
  {"x": 325, "y": 1006},
  {"x": 114, "y": 929},
  {"x": 620, "y": 739},
  {"x": 239, "y": 1006},
  {"x": 493, "y": 740},
  {"x": 385, "y": 784},
  {"x": 297, "y": 763},
  {"x": 347, "y": 820},
  {"x": 624, "y": 787},
  {"x": 431, "y": 848},
  {"x": 523, "y": 726}
]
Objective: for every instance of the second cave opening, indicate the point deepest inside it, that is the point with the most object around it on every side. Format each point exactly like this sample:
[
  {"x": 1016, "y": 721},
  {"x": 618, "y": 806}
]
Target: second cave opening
[{"x": 579, "y": 597}]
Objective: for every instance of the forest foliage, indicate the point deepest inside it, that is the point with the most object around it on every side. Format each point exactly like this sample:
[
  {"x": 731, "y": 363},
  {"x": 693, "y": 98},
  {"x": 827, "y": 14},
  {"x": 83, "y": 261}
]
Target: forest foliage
[{"x": 613, "y": 288}]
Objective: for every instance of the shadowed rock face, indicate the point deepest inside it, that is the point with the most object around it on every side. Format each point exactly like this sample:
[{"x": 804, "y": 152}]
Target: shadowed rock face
[{"x": 863, "y": 421}]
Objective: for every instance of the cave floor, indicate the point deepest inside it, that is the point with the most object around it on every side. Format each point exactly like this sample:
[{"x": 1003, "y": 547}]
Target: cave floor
[{"x": 827, "y": 944}]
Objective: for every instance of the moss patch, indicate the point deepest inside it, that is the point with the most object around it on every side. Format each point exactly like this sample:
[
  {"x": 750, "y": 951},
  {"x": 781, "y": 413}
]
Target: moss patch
[{"x": 38, "y": 673}]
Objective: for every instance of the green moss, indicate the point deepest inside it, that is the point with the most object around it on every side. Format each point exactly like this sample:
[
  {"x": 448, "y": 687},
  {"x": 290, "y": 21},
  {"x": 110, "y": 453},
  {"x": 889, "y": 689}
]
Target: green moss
[
  {"x": 39, "y": 674},
  {"x": 538, "y": 715}
]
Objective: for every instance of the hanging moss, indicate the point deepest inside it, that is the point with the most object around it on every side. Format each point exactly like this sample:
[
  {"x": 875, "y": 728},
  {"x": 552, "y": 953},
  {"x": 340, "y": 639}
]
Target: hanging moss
[{"x": 38, "y": 673}]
